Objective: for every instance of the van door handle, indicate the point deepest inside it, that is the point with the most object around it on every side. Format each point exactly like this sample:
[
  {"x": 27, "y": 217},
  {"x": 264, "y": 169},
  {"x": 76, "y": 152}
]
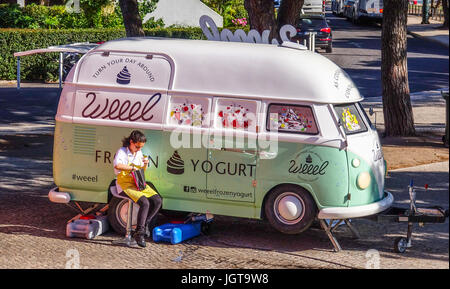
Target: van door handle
[
  {"x": 242, "y": 151},
  {"x": 267, "y": 155}
]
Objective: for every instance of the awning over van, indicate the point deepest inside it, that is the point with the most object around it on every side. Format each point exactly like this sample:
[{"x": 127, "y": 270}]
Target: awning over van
[{"x": 80, "y": 48}]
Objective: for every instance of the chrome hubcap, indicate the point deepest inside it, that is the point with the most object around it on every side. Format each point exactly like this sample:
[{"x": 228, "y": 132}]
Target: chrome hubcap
[{"x": 289, "y": 208}]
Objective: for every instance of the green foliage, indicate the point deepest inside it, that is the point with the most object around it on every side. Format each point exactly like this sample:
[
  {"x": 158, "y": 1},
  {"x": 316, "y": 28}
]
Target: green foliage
[
  {"x": 92, "y": 10},
  {"x": 93, "y": 14},
  {"x": 148, "y": 6},
  {"x": 45, "y": 66},
  {"x": 228, "y": 9}
]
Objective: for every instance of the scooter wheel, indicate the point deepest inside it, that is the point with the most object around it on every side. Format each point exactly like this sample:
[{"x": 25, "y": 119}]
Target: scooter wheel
[{"x": 400, "y": 245}]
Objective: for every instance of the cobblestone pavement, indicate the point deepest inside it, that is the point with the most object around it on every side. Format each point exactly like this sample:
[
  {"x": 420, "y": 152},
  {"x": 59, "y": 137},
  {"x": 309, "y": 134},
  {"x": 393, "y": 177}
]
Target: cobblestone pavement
[{"x": 32, "y": 232}]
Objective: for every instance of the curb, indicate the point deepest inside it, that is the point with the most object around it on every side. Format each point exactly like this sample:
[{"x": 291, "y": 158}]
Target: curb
[{"x": 428, "y": 38}]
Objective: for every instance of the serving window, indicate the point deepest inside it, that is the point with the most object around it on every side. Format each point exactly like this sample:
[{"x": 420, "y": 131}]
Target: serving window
[
  {"x": 190, "y": 111},
  {"x": 236, "y": 114},
  {"x": 291, "y": 119}
]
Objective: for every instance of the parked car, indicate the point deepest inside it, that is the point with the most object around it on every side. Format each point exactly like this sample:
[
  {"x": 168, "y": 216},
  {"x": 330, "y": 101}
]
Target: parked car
[
  {"x": 349, "y": 6},
  {"x": 337, "y": 7},
  {"x": 318, "y": 24},
  {"x": 312, "y": 7},
  {"x": 369, "y": 10}
]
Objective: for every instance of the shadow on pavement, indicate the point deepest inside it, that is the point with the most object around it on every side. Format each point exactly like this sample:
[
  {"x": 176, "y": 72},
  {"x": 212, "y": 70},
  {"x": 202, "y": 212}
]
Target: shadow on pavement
[{"x": 32, "y": 105}]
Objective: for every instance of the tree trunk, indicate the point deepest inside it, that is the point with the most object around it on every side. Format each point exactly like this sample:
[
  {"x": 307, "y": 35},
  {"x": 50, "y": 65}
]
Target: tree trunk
[
  {"x": 445, "y": 8},
  {"x": 289, "y": 12},
  {"x": 131, "y": 18},
  {"x": 398, "y": 116},
  {"x": 261, "y": 16}
]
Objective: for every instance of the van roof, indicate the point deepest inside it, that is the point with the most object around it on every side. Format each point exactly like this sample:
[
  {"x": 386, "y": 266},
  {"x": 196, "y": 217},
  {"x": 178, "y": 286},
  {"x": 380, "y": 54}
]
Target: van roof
[{"x": 237, "y": 69}]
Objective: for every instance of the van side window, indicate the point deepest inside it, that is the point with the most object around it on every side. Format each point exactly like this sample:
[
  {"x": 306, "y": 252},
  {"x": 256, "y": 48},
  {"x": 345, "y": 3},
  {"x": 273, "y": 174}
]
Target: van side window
[
  {"x": 291, "y": 118},
  {"x": 188, "y": 111},
  {"x": 350, "y": 118},
  {"x": 236, "y": 114}
]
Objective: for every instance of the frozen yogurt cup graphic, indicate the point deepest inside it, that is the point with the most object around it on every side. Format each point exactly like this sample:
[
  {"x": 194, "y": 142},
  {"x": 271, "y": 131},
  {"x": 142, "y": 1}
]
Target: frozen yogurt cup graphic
[
  {"x": 175, "y": 165},
  {"x": 123, "y": 77}
]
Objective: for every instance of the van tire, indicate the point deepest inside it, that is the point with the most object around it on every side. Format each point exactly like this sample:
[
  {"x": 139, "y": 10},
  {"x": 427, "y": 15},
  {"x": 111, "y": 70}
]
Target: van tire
[
  {"x": 115, "y": 221},
  {"x": 117, "y": 217},
  {"x": 296, "y": 215}
]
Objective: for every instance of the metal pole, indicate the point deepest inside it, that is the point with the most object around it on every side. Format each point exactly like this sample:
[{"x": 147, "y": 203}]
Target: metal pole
[
  {"x": 18, "y": 72},
  {"x": 425, "y": 12},
  {"x": 61, "y": 57},
  {"x": 314, "y": 41}
]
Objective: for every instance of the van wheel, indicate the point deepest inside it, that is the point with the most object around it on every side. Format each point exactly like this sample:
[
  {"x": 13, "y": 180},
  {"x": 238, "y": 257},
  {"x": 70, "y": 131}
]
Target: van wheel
[
  {"x": 118, "y": 212},
  {"x": 290, "y": 209},
  {"x": 329, "y": 48}
]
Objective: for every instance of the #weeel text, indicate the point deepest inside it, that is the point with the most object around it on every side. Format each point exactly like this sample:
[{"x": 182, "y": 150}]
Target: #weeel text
[{"x": 239, "y": 278}]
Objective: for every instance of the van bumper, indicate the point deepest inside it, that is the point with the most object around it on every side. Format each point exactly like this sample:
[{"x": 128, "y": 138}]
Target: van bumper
[
  {"x": 357, "y": 211},
  {"x": 56, "y": 196}
]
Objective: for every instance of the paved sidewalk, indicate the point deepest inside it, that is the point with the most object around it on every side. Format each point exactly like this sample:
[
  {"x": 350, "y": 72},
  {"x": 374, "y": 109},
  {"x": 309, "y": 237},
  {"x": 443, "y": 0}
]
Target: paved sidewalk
[
  {"x": 428, "y": 111},
  {"x": 432, "y": 32}
]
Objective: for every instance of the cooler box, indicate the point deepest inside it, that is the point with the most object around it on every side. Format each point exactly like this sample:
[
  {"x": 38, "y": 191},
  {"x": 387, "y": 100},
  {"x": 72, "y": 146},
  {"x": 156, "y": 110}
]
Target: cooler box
[
  {"x": 176, "y": 233},
  {"x": 87, "y": 228}
]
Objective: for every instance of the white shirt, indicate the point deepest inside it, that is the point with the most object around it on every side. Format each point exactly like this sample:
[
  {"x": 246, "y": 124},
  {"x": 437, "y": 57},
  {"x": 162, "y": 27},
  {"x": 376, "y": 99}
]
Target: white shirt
[{"x": 124, "y": 156}]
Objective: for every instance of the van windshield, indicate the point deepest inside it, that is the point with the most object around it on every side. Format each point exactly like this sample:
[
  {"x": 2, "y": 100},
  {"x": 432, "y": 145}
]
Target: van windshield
[{"x": 350, "y": 118}]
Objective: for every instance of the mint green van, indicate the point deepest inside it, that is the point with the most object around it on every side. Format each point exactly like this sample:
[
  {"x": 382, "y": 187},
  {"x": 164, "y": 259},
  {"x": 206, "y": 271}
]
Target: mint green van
[{"x": 246, "y": 130}]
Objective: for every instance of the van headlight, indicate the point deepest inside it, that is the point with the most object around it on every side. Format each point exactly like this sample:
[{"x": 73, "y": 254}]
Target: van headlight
[{"x": 363, "y": 180}]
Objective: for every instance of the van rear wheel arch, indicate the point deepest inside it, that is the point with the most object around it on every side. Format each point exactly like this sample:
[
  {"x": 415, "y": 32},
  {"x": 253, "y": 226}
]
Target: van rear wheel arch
[{"x": 289, "y": 208}]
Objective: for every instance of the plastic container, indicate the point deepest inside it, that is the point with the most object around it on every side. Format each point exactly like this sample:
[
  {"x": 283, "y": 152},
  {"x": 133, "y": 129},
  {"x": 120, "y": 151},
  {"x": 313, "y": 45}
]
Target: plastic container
[
  {"x": 176, "y": 233},
  {"x": 87, "y": 228}
]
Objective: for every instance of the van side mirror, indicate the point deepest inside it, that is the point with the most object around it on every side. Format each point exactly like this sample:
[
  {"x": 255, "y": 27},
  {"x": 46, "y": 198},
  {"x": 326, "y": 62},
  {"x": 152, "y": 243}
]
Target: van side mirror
[{"x": 371, "y": 112}]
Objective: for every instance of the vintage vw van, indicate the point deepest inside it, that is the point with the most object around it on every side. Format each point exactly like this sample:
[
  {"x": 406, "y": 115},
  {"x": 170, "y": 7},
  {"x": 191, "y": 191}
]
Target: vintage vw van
[{"x": 238, "y": 129}]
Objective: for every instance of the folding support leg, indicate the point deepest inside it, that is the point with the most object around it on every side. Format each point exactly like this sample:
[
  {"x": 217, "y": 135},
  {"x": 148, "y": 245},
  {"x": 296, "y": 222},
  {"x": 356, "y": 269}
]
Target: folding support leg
[
  {"x": 409, "y": 235},
  {"x": 352, "y": 229},
  {"x": 128, "y": 241},
  {"x": 329, "y": 231}
]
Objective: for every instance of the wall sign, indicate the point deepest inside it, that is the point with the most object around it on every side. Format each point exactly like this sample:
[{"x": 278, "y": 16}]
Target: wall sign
[{"x": 211, "y": 32}]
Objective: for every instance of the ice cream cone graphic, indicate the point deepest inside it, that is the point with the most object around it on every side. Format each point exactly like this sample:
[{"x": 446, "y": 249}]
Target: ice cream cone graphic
[
  {"x": 175, "y": 165},
  {"x": 123, "y": 77}
]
